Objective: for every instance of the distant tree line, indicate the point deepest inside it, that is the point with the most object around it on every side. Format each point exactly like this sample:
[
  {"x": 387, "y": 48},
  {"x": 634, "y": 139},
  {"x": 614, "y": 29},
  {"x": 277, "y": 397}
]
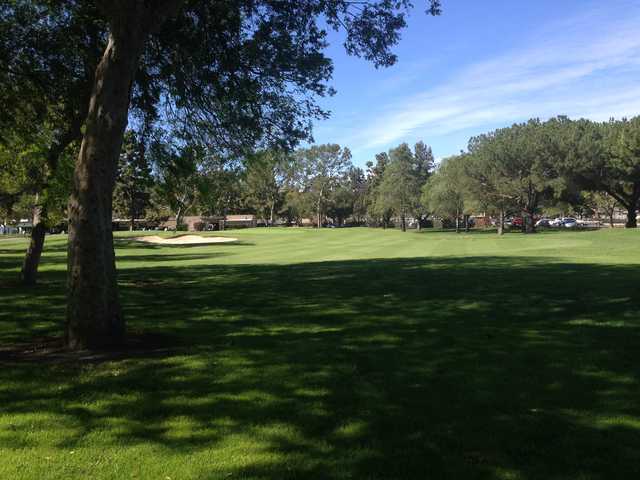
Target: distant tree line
[
  {"x": 535, "y": 167},
  {"x": 524, "y": 170},
  {"x": 157, "y": 179}
]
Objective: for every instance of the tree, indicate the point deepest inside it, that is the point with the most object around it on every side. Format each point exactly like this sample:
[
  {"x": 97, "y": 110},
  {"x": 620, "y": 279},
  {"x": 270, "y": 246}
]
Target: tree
[
  {"x": 237, "y": 72},
  {"x": 21, "y": 170},
  {"x": 134, "y": 180},
  {"x": 340, "y": 205},
  {"x": 264, "y": 182},
  {"x": 24, "y": 171},
  {"x": 518, "y": 166},
  {"x": 320, "y": 169},
  {"x": 376, "y": 206},
  {"x": 488, "y": 178},
  {"x": 605, "y": 157},
  {"x": 348, "y": 197},
  {"x": 402, "y": 175},
  {"x": 219, "y": 185},
  {"x": 48, "y": 55},
  {"x": 601, "y": 204},
  {"x": 401, "y": 183},
  {"x": 626, "y": 165},
  {"x": 178, "y": 178},
  {"x": 424, "y": 164},
  {"x": 447, "y": 192},
  {"x": 357, "y": 184},
  {"x": 297, "y": 204}
]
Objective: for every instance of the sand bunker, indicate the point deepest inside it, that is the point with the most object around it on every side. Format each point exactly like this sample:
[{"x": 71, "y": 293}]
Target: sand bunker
[{"x": 184, "y": 240}]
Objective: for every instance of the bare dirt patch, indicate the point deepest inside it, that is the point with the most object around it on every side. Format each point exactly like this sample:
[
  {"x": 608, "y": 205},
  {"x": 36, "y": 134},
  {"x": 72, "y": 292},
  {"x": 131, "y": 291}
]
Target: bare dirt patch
[
  {"x": 184, "y": 240},
  {"x": 53, "y": 350}
]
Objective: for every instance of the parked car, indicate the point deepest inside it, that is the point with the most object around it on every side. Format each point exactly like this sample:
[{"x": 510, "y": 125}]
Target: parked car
[
  {"x": 543, "y": 222},
  {"x": 569, "y": 223},
  {"x": 513, "y": 222}
]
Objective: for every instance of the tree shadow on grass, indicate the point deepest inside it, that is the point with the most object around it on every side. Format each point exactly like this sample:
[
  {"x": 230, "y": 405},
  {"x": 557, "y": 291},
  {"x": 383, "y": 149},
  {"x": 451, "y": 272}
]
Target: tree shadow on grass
[{"x": 470, "y": 367}]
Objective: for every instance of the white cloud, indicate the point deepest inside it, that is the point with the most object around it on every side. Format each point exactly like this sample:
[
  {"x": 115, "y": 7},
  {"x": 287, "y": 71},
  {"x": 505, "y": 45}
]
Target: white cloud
[{"x": 583, "y": 67}]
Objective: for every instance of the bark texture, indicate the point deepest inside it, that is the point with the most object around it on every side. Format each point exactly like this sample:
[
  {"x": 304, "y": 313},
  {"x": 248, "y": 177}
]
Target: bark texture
[
  {"x": 631, "y": 217},
  {"x": 29, "y": 272},
  {"x": 531, "y": 223},
  {"x": 94, "y": 317}
]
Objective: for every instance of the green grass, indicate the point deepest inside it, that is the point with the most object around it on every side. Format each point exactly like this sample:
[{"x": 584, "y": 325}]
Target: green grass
[{"x": 354, "y": 354}]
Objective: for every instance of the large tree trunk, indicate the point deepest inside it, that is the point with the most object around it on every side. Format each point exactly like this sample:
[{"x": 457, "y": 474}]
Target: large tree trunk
[
  {"x": 531, "y": 226},
  {"x": 32, "y": 257},
  {"x": 631, "y": 217},
  {"x": 94, "y": 317},
  {"x": 132, "y": 213},
  {"x": 271, "y": 211},
  {"x": 501, "y": 223},
  {"x": 178, "y": 219},
  {"x": 29, "y": 273}
]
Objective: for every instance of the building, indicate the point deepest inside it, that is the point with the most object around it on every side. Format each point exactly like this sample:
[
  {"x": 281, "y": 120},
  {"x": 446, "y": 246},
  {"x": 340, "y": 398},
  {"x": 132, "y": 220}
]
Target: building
[
  {"x": 199, "y": 223},
  {"x": 195, "y": 223},
  {"x": 240, "y": 221},
  {"x": 139, "y": 224}
]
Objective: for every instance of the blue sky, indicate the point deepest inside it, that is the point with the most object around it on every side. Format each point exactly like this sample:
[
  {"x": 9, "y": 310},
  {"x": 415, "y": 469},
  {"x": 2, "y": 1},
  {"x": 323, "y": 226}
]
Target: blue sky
[{"x": 483, "y": 65}]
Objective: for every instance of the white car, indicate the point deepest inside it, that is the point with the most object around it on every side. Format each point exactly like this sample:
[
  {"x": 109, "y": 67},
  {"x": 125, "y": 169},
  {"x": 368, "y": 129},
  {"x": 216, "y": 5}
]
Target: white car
[
  {"x": 543, "y": 222},
  {"x": 569, "y": 223}
]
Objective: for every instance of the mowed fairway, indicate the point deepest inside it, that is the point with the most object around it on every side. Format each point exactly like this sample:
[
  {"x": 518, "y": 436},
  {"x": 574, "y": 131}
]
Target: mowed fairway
[{"x": 346, "y": 353}]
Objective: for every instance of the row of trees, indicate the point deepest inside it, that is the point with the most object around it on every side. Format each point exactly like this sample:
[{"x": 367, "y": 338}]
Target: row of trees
[
  {"x": 531, "y": 167},
  {"x": 157, "y": 179},
  {"x": 521, "y": 170}
]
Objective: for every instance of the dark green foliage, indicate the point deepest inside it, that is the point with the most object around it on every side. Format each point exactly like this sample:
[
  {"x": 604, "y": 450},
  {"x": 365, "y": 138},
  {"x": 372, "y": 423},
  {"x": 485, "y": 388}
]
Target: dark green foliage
[
  {"x": 378, "y": 211},
  {"x": 250, "y": 72},
  {"x": 220, "y": 187},
  {"x": 605, "y": 157},
  {"x": 396, "y": 182},
  {"x": 134, "y": 181},
  {"x": 237, "y": 73},
  {"x": 348, "y": 197},
  {"x": 48, "y": 55},
  {"x": 317, "y": 172},
  {"x": 447, "y": 193},
  {"x": 178, "y": 179},
  {"x": 264, "y": 183}
]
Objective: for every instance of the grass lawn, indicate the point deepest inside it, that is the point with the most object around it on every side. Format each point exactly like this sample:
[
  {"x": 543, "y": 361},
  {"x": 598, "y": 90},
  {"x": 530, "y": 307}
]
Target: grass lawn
[{"x": 354, "y": 353}]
